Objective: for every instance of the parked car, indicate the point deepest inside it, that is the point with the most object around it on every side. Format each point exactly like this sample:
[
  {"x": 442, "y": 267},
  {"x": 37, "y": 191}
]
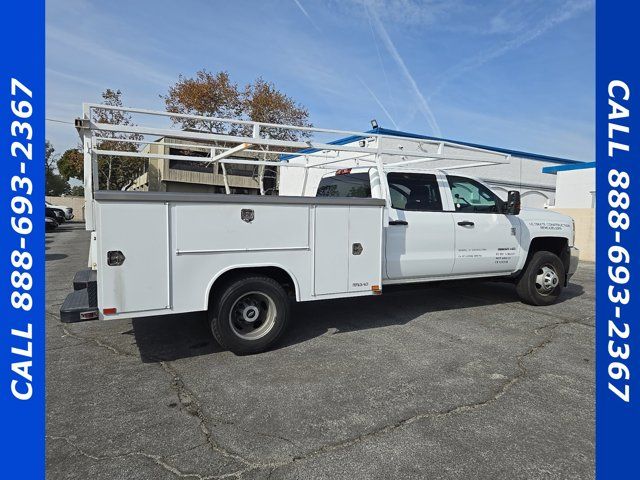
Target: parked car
[
  {"x": 50, "y": 224},
  {"x": 55, "y": 213},
  {"x": 67, "y": 211}
]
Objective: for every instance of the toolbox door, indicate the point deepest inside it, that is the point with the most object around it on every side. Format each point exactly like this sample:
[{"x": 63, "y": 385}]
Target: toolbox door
[
  {"x": 365, "y": 248},
  {"x": 133, "y": 256},
  {"x": 347, "y": 249}
]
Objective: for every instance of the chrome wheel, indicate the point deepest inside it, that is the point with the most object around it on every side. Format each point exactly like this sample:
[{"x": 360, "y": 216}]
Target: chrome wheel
[
  {"x": 253, "y": 315},
  {"x": 546, "y": 279}
]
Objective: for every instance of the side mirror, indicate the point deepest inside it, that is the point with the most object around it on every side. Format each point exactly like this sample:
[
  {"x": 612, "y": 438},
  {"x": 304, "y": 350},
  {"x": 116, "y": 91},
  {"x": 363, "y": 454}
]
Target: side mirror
[{"x": 513, "y": 203}]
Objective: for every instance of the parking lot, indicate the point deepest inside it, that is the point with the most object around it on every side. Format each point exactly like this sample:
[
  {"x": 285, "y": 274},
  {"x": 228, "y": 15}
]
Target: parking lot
[{"x": 445, "y": 381}]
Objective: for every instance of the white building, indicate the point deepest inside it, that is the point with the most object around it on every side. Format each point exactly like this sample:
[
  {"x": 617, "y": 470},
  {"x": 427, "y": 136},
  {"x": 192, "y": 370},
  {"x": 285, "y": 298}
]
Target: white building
[
  {"x": 575, "y": 185},
  {"x": 575, "y": 196},
  {"x": 514, "y": 170}
]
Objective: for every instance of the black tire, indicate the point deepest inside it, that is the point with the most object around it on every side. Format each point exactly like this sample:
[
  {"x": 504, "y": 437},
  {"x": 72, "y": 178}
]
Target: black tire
[
  {"x": 542, "y": 280},
  {"x": 231, "y": 317}
]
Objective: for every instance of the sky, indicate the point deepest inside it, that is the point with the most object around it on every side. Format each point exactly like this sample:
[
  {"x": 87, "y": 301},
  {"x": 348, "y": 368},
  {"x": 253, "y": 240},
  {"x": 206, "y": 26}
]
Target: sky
[{"x": 516, "y": 74}]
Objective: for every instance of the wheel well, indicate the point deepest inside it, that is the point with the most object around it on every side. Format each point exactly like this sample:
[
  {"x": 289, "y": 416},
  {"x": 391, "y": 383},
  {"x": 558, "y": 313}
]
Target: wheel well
[
  {"x": 557, "y": 245},
  {"x": 278, "y": 274}
]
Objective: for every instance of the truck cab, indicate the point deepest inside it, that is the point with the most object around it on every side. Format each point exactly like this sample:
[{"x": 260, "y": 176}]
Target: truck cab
[{"x": 442, "y": 225}]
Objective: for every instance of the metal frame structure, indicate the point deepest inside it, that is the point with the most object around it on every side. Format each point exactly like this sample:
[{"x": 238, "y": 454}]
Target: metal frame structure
[{"x": 93, "y": 133}]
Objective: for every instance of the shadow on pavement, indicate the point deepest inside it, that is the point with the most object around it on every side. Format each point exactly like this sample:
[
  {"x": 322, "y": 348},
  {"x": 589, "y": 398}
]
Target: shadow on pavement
[
  {"x": 54, "y": 256},
  {"x": 173, "y": 337}
]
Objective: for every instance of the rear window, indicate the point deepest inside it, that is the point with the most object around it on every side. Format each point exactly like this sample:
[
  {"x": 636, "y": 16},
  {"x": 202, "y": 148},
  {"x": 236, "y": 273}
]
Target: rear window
[
  {"x": 414, "y": 191},
  {"x": 347, "y": 185}
]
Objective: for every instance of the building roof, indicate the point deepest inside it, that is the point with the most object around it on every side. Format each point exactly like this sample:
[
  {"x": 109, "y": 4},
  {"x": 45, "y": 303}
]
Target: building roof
[
  {"x": 399, "y": 133},
  {"x": 574, "y": 166}
]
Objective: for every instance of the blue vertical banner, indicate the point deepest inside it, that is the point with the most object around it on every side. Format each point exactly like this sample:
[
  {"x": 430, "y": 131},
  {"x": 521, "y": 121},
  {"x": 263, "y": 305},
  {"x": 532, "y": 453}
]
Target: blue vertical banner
[
  {"x": 22, "y": 179},
  {"x": 617, "y": 242}
]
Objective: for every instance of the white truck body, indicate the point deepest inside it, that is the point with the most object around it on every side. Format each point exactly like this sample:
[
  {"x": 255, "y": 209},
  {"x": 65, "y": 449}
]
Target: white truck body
[
  {"x": 158, "y": 253},
  {"x": 177, "y": 245}
]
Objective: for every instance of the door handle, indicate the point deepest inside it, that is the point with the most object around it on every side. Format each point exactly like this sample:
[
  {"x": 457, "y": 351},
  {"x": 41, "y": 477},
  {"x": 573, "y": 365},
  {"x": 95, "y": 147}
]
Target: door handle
[
  {"x": 466, "y": 223},
  {"x": 398, "y": 222}
]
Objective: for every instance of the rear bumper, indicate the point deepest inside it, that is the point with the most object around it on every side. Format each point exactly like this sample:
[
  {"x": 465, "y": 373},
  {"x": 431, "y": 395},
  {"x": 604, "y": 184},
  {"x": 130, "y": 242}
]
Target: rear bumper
[
  {"x": 77, "y": 307},
  {"x": 574, "y": 257},
  {"x": 82, "y": 303}
]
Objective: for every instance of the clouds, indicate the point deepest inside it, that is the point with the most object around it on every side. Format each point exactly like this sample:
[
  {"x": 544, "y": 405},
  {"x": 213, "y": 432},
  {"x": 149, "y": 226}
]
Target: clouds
[
  {"x": 105, "y": 56},
  {"x": 306, "y": 14},
  {"x": 420, "y": 13},
  {"x": 415, "y": 64},
  {"x": 377, "y": 100},
  {"x": 395, "y": 55},
  {"x": 528, "y": 33}
]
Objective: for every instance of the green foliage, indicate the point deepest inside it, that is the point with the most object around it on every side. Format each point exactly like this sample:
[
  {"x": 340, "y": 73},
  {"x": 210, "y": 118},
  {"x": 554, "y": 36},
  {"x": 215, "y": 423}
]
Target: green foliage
[
  {"x": 77, "y": 191},
  {"x": 55, "y": 184},
  {"x": 116, "y": 172},
  {"x": 70, "y": 164}
]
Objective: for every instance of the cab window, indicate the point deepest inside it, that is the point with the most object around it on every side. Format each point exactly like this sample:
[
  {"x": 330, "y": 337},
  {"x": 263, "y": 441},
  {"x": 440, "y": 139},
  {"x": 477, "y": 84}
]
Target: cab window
[
  {"x": 471, "y": 196},
  {"x": 414, "y": 191},
  {"x": 345, "y": 185}
]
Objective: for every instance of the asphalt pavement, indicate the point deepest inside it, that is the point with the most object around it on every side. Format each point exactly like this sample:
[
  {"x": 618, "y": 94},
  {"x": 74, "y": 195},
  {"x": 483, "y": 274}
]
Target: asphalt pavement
[{"x": 445, "y": 381}]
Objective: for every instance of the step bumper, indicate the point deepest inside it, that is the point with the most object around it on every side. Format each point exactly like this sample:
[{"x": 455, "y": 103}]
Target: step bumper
[
  {"x": 81, "y": 304},
  {"x": 76, "y": 307},
  {"x": 82, "y": 278}
]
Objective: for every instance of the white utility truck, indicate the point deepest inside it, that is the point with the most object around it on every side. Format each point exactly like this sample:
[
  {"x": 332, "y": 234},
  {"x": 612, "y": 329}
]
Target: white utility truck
[{"x": 363, "y": 223}]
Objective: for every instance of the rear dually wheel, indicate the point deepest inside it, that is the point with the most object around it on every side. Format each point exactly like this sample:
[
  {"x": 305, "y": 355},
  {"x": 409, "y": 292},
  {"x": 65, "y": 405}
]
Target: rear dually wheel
[{"x": 250, "y": 315}]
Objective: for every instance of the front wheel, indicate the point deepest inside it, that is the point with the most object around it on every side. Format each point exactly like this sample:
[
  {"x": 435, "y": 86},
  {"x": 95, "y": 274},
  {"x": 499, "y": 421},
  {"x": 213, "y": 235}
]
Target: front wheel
[
  {"x": 250, "y": 315},
  {"x": 542, "y": 280}
]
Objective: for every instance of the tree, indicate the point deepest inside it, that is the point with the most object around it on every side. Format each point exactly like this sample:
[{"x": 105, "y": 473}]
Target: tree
[
  {"x": 205, "y": 95},
  {"x": 55, "y": 184},
  {"x": 49, "y": 156},
  {"x": 114, "y": 172},
  {"x": 77, "y": 191},
  {"x": 263, "y": 102},
  {"x": 215, "y": 95},
  {"x": 71, "y": 164}
]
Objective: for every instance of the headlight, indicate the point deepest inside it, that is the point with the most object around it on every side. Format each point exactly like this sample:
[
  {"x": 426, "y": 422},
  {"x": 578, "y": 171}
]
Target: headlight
[{"x": 573, "y": 229}]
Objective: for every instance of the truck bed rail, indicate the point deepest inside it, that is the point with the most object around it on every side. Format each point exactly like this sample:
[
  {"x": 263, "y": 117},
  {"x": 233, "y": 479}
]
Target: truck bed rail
[{"x": 116, "y": 195}]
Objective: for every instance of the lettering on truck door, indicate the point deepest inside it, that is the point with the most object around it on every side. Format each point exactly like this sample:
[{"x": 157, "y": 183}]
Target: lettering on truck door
[{"x": 486, "y": 240}]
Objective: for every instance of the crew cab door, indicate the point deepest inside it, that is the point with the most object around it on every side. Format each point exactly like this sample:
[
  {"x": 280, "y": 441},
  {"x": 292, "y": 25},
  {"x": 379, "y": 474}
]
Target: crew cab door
[
  {"x": 420, "y": 235},
  {"x": 486, "y": 240}
]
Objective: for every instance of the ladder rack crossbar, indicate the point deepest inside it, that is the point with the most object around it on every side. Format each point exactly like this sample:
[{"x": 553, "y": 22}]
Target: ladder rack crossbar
[
  {"x": 119, "y": 153},
  {"x": 294, "y": 146}
]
